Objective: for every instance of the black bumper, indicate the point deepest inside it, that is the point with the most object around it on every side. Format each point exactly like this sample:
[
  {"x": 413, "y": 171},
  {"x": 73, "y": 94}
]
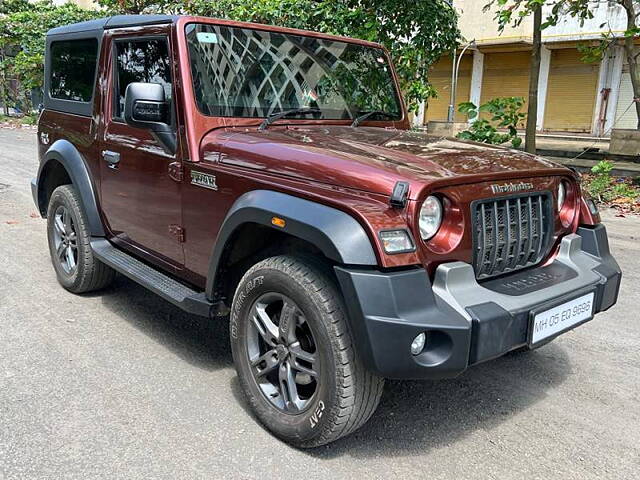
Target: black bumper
[{"x": 388, "y": 310}]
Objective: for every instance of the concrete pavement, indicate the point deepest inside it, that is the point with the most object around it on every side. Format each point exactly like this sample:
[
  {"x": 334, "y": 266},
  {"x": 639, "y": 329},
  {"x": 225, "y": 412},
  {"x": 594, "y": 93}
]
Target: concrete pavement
[{"x": 121, "y": 384}]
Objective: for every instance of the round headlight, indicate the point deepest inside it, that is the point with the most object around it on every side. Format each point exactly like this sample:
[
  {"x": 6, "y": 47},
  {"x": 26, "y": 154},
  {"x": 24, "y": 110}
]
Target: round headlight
[
  {"x": 430, "y": 217},
  {"x": 562, "y": 194}
]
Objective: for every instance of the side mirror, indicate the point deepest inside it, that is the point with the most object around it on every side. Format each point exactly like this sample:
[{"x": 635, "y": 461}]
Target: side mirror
[{"x": 146, "y": 107}]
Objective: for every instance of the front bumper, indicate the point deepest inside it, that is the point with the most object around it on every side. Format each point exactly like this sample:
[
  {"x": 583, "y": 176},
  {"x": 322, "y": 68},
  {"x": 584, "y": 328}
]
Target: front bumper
[{"x": 467, "y": 322}]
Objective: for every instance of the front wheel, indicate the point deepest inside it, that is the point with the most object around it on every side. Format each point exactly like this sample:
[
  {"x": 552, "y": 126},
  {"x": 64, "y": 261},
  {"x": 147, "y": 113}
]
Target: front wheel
[{"x": 294, "y": 354}]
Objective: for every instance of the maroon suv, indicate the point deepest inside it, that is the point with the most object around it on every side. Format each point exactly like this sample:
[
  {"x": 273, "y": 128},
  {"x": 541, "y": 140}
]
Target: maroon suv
[{"x": 269, "y": 176}]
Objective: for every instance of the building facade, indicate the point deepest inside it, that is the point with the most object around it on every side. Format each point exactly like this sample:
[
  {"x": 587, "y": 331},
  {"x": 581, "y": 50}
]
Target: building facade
[
  {"x": 574, "y": 96},
  {"x": 81, "y": 3}
]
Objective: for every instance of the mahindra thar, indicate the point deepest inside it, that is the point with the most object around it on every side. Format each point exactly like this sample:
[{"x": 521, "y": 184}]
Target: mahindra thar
[{"x": 268, "y": 176}]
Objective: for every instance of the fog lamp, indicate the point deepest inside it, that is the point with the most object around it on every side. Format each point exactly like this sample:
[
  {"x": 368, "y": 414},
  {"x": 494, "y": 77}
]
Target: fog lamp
[
  {"x": 418, "y": 343},
  {"x": 396, "y": 241}
]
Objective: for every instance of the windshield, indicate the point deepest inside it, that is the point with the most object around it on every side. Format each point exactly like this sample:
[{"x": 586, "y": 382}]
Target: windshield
[{"x": 240, "y": 72}]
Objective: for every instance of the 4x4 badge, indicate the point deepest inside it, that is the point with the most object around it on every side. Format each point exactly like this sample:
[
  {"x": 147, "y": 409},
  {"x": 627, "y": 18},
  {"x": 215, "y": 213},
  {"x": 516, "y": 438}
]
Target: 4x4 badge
[{"x": 203, "y": 180}]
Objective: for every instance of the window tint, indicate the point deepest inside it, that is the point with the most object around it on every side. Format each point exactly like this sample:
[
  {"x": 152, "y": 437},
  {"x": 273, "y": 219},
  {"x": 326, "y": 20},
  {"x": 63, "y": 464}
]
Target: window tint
[
  {"x": 141, "y": 61},
  {"x": 73, "y": 68}
]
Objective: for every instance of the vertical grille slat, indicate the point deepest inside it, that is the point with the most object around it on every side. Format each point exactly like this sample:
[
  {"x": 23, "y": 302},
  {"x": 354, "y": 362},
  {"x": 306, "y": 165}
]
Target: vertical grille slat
[
  {"x": 510, "y": 233},
  {"x": 494, "y": 239},
  {"x": 519, "y": 235},
  {"x": 527, "y": 249},
  {"x": 540, "y": 217},
  {"x": 508, "y": 259}
]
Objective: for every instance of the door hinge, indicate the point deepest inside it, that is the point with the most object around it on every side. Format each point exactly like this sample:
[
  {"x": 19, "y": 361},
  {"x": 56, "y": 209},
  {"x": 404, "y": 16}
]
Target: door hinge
[
  {"x": 176, "y": 171},
  {"x": 177, "y": 231}
]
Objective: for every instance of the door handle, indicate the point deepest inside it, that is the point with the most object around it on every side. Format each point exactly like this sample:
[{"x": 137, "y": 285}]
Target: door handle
[{"x": 112, "y": 158}]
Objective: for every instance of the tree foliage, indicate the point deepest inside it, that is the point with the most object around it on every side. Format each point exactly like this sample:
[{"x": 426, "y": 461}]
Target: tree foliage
[
  {"x": 504, "y": 113},
  {"x": 23, "y": 26},
  {"x": 416, "y": 33}
]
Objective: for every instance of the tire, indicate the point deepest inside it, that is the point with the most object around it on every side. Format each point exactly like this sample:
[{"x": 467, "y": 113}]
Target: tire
[
  {"x": 341, "y": 396},
  {"x": 73, "y": 261}
]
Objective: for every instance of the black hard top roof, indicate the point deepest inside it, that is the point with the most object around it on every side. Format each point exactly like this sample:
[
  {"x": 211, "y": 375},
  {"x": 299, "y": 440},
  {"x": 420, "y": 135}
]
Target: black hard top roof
[{"x": 117, "y": 21}]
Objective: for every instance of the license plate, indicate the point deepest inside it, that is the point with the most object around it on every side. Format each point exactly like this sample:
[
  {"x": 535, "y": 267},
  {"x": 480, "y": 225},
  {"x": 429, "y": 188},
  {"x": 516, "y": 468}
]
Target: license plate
[{"x": 558, "y": 319}]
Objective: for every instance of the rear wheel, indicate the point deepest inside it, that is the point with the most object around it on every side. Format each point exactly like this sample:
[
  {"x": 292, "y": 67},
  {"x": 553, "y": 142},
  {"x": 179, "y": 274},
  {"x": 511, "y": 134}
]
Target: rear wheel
[
  {"x": 294, "y": 354},
  {"x": 76, "y": 267}
]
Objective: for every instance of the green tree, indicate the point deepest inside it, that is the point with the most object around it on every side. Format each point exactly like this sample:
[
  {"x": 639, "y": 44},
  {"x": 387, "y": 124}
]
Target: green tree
[
  {"x": 23, "y": 26},
  {"x": 504, "y": 112},
  {"x": 514, "y": 11},
  {"x": 416, "y": 33}
]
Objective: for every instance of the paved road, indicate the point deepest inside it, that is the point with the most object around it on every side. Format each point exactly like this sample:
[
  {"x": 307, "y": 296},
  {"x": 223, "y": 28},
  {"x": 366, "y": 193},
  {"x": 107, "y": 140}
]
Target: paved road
[{"x": 124, "y": 385}]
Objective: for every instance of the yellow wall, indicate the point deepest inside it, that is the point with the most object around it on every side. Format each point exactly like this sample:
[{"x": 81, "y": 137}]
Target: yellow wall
[
  {"x": 477, "y": 24},
  {"x": 440, "y": 78},
  {"x": 506, "y": 75},
  {"x": 572, "y": 92}
]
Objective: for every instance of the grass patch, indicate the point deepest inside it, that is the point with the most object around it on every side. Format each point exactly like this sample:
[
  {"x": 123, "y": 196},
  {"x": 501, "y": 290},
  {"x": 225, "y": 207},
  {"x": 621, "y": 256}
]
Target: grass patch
[
  {"x": 18, "y": 121},
  {"x": 621, "y": 193}
]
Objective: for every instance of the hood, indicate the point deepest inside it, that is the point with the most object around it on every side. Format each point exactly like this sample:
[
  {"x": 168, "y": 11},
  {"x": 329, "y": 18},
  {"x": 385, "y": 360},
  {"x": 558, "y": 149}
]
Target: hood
[{"x": 367, "y": 158}]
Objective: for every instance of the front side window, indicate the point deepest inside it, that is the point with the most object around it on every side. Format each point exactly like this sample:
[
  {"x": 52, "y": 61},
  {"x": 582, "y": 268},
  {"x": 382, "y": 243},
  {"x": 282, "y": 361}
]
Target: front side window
[
  {"x": 140, "y": 60},
  {"x": 240, "y": 72},
  {"x": 73, "y": 69}
]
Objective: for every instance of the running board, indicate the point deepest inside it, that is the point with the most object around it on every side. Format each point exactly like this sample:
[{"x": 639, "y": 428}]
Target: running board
[{"x": 154, "y": 280}]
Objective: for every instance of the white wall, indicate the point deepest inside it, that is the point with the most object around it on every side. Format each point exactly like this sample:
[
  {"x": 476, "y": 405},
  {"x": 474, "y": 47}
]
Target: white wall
[
  {"x": 476, "y": 23},
  {"x": 605, "y": 12}
]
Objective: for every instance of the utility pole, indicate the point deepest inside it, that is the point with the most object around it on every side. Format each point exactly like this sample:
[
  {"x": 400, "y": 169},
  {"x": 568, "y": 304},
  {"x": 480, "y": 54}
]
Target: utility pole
[{"x": 534, "y": 75}]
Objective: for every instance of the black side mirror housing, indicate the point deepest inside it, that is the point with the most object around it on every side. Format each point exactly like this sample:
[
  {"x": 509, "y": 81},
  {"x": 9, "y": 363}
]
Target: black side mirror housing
[{"x": 145, "y": 107}]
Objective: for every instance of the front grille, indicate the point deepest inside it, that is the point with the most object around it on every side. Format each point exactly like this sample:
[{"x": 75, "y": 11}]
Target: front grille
[{"x": 510, "y": 233}]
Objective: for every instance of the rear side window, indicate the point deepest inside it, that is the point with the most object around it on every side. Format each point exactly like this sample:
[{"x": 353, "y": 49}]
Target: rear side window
[
  {"x": 73, "y": 69},
  {"x": 141, "y": 60}
]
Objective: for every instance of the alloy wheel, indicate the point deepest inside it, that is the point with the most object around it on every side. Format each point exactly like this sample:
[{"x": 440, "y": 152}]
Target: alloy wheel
[
  {"x": 282, "y": 353},
  {"x": 65, "y": 239}
]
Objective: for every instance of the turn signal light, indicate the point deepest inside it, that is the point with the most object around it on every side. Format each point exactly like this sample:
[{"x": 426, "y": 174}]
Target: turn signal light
[
  {"x": 396, "y": 241},
  {"x": 278, "y": 222}
]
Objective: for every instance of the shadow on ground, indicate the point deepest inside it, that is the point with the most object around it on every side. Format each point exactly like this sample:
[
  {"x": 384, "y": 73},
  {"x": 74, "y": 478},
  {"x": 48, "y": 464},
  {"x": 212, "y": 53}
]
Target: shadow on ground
[
  {"x": 413, "y": 417},
  {"x": 417, "y": 416},
  {"x": 201, "y": 342}
]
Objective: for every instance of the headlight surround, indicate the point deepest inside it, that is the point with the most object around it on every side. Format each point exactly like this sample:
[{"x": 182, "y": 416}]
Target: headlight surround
[
  {"x": 562, "y": 195},
  {"x": 430, "y": 217}
]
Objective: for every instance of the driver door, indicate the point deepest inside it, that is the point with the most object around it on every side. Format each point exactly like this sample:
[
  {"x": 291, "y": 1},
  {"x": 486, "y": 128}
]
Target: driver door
[{"x": 139, "y": 199}]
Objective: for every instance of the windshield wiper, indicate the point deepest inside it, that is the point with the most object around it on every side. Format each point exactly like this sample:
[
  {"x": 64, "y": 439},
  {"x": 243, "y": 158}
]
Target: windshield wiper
[
  {"x": 366, "y": 115},
  {"x": 277, "y": 116}
]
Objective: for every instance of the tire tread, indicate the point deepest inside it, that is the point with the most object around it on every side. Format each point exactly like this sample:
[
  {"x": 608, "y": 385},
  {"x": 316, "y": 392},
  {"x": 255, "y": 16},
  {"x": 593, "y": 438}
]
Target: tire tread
[{"x": 358, "y": 390}]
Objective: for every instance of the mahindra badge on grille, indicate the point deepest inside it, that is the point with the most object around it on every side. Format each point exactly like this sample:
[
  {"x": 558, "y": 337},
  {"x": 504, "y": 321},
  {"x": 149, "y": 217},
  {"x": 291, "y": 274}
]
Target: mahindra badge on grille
[{"x": 511, "y": 187}]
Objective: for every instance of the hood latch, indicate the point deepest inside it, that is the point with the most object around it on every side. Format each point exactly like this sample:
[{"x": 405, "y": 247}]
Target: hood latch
[{"x": 399, "y": 195}]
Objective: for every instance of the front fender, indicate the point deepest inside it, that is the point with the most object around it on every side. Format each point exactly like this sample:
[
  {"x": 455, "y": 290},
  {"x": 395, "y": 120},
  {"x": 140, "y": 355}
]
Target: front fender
[
  {"x": 337, "y": 234},
  {"x": 65, "y": 153}
]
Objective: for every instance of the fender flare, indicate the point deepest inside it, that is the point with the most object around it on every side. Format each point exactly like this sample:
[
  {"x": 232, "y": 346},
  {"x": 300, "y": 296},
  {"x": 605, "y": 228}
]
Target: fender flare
[
  {"x": 65, "y": 153},
  {"x": 337, "y": 234}
]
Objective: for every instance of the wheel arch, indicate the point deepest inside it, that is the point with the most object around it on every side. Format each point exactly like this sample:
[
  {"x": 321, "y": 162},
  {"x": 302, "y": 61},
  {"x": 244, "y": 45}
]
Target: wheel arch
[
  {"x": 63, "y": 164},
  {"x": 314, "y": 227}
]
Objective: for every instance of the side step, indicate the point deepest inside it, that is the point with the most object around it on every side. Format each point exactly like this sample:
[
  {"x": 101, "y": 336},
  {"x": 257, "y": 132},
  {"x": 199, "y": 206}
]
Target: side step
[{"x": 159, "y": 283}]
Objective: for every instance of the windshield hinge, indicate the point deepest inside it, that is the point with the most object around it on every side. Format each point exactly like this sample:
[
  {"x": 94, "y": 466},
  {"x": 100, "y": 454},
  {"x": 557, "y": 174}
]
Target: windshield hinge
[
  {"x": 178, "y": 232},
  {"x": 176, "y": 171}
]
